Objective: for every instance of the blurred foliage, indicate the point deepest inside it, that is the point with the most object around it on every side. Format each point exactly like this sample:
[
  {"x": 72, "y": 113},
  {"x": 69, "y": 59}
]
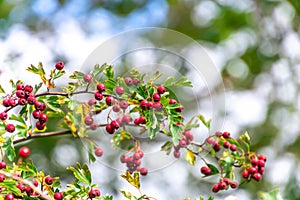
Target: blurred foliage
[{"x": 266, "y": 21}]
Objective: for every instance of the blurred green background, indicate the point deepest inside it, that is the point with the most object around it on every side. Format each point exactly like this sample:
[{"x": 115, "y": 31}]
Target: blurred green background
[{"x": 254, "y": 43}]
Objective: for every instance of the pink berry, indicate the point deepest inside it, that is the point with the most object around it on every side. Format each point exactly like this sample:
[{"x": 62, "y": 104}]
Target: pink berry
[
  {"x": 172, "y": 101},
  {"x": 99, "y": 152},
  {"x": 234, "y": 184},
  {"x": 5, "y": 103},
  {"x": 20, "y": 87},
  {"x": 218, "y": 133},
  {"x": 123, "y": 104},
  {"x": 120, "y": 90},
  {"x": 222, "y": 185},
  {"x": 176, "y": 154},
  {"x": 10, "y": 128},
  {"x": 156, "y": 97},
  {"x": 182, "y": 143},
  {"x": 109, "y": 100},
  {"x": 126, "y": 119},
  {"x": 28, "y": 89},
  {"x": 3, "y": 116},
  {"x": 87, "y": 78},
  {"x": 20, "y": 94},
  {"x": 157, "y": 106},
  {"x": 257, "y": 176},
  {"x": 136, "y": 81},
  {"x": 101, "y": 87},
  {"x": 88, "y": 120},
  {"x": 161, "y": 89},
  {"x": 128, "y": 81},
  {"x": 215, "y": 188},
  {"x": 262, "y": 157},
  {"x": 9, "y": 197},
  {"x": 22, "y": 101},
  {"x": 49, "y": 180},
  {"x": 226, "y": 144},
  {"x": 144, "y": 171},
  {"x": 92, "y": 194},
  {"x": 92, "y": 102},
  {"x": 116, "y": 108},
  {"x": 31, "y": 100},
  {"x": 58, "y": 196},
  {"x": 233, "y": 147}
]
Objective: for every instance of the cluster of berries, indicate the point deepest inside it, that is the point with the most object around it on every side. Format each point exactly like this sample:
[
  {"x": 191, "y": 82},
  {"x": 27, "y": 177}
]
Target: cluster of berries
[
  {"x": 216, "y": 142},
  {"x": 187, "y": 138},
  {"x": 224, "y": 184},
  {"x": 257, "y": 168},
  {"x": 133, "y": 162}
]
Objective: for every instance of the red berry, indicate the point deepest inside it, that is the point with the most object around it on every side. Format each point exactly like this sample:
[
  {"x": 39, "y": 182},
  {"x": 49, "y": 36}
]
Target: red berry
[
  {"x": 136, "y": 156},
  {"x": 254, "y": 162},
  {"x": 123, "y": 104},
  {"x": 88, "y": 120},
  {"x": 209, "y": 140},
  {"x": 176, "y": 154},
  {"x": 205, "y": 170},
  {"x": 227, "y": 181},
  {"x": 114, "y": 124},
  {"x": 31, "y": 100},
  {"x": 12, "y": 102},
  {"x": 28, "y": 89},
  {"x": 20, "y": 87},
  {"x": 35, "y": 183},
  {"x": 188, "y": 135},
  {"x": 101, "y": 87},
  {"x": 172, "y": 101},
  {"x": 87, "y": 78},
  {"x": 109, "y": 100},
  {"x": 93, "y": 126},
  {"x": 156, "y": 97},
  {"x": 99, "y": 152},
  {"x": 40, "y": 126},
  {"x": 120, "y": 90},
  {"x": 261, "y": 170},
  {"x": 141, "y": 153},
  {"x": 2, "y": 165},
  {"x": 234, "y": 184},
  {"x": 257, "y": 176},
  {"x": 157, "y": 106},
  {"x": 22, "y": 101},
  {"x": 3, "y": 116},
  {"x": 2, "y": 178},
  {"x": 222, "y": 185},
  {"x": 20, "y": 94},
  {"x": 29, "y": 191},
  {"x": 92, "y": 102},
  {"x": 97, "y": 193},
  {"x": 142, "y": 120},
  {"x": 136, "y": 121},
  {"x": 215, "y": 188},
  {"x": 10, "y": 128},
  {"x": 252, "y": 170},
  {"x": 43, "y": 118},
  {"x": 92, "y": 194},
  {"x": 21, "y": 187},
  {"x": 124, "y": 159},
  {"x": 218, "y": 133},
  {"x": 226, "y": 135},
  {"x": 233, "y": 147},
  {"x": 126, "y": 119},
  {"x": 5, "y": 103},
  {"x": 216, "y": 146},
  {"x": 182, "y": 143},
  {"x": 59, "y": 65},
  {"x": 245, "y": 174},
  {"x": 58, "y": 196},
  {"x": 161, "y": 89},
  {"x": 116, "y": 108},
  {"x": 136, "y": 81},
  {"x": 260, "y": 163},
  {"x": 144, "y": 171},
  {"x": 262, "y": 157},
  {"x": 109, "y": 129},
  {"x": 226, "y": 144},
  {"x": 150, "y": 104},
  {"x": 128, "y": 81},
  {"x": 179, "y": 109},
  {"x": 98, "y": 96},
  {"x": 24, "y": 152},
  {"x": 144, "y": 104},
  {"x": 9, "y": 197},
  {"x": 38, "y": 105},
  {"x": 49, "y": 180}
]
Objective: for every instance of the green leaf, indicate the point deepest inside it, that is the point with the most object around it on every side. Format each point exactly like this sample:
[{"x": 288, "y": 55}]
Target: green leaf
[
  {"x": 183, "y": 81},
  {"x": 2, "y": 90},
  {"x": 272, "y": 195},
  {"x": 167, "y": 147},
  {"x": 97, "y": 69},
  {"x": 190, "y": 157},
  {"x": 17, "y": 118},
  {"x": 205, "y": 122},
  {"x": 110, "y": 84},
  {"x": 168, "y": 82},
  {"x": 10, "y": 186},
  {"x": 37, "y": 87},
  {"x": 175, "y": 133},
  {"x": 109, "y": 72},
  {"x": 9, "y": 148},
  {"x": 59, "y": 74},
  {"x": 134, "y": 179},
  {"x": 82, "y": 174},
  {"x": 77, "y": 75}
]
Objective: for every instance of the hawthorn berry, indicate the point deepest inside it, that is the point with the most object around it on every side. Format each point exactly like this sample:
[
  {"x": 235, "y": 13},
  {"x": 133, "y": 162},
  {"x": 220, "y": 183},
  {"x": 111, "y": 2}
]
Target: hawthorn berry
[
  {"x": 144, "y": 171},
  {"x": 144, "y": 104},
  {"x": 136, "y": 81},
  {"x": 234, "y": 184},
  {"x": 218, "y": 133},
  {"x": 101, "y": 87},
  {"x": 12, "y": 102},
  {"x": 262, "y": 157},
  {"x": 222, "y": 185},
  {"x": 2, "y": 165},
  {"x": 58, "y": 196},
  {"x": 21, "y": 187},
  {"x": 123, "y": 104},
  {"x": 49, "y": 180},
  {"x": 59, "y": 65},
  {"x": 156, "y": 97},
  {"x": 136, "y": 121},
  {"x": 124, "y": 159},
  {"x": 28, "y": 89},
  {"x": 157, "y": 106},
  {"x": 252, "y": 170},
  {"x": 35, "y": 183},
  {"x": 128, "y": 81},
  {"x": 22, "y": 101},
  {"x": 226, "y": 144},
  {"x": 87, "y": 78},
  {"x": 126, "y": 119},
  {"x": 261, "y": 170},
  {"x": 43, "y": 118},
  {"x": 136, "y": 156},
  {"x": 205, "y": 170},
  {"x": 161, "y": 89},
  {"x": 142, "y": 120},
  {"x": 215, "y": 188},
  {"x": 2, "y": 178},
  {"x": 172, "y": 101},
  {"x": 98, "y": 96},
  {"x": 120, "y": 90},
  {"x": 176, "y": 154},
  {"x": 88, "y": 120},
  {"x": 150, "y": 104},
  {"x": 31, "y": 100},
  {"x": 260, "y": 163},
  {"x": 226, "y": 135},
  {"x": 97, "y": 193},
  {"x": 92, "y": 102},
  {"x": 29, "y": 191},
  {"x": 114, "y": 124},
  {"x": 93, "y": 126},
  {"x": 109, "y": 129},
  {"x": 216, "y": 146},
  {"x": 109, "y": 100},
  {"x": 98, "y": 152},
  {"x": 39, "y": 125},
  {"x": 182, "y": 143},
  {"x": 3, "y": 116},
  {"x": 5, "y": 103},
  {"x": 233, "y": 147},
  {"x": 20, "y": 94},
  {"x": 36, "y": 114},
  {"x": 38, "y": 105},
  {"x": 210, "y": 140},
  {"x": 179, "y": 109},
  {"x": 10, "y": 128},
  {"x": 9, "y": 197},
  {"x": 245, "y": 174},
  {"x": 20, "y": 86},
  {"x": 254, "y": 162},
  {"x": 257, "y": 176},
  {"x": 24, "y": 152},
  {"x": 116, "y": 108},
  {"x": 92, "y": 194}
]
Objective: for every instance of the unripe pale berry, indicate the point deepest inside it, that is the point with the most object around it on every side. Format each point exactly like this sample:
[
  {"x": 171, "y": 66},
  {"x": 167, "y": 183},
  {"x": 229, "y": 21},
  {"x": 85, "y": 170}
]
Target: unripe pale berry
[
  {"x": 59, "y": 65},
  {"x": 161, "y": 89},
  {"x": 24, "y": 152},
  {"x": 128, "y": 81},
  {"x": 120, "y": 90},
  {"x": 87, "y": 78}
]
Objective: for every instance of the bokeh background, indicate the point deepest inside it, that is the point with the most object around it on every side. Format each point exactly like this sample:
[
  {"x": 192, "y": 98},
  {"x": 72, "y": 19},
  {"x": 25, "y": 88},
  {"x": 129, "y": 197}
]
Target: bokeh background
[{"x": 255, "y": 45}]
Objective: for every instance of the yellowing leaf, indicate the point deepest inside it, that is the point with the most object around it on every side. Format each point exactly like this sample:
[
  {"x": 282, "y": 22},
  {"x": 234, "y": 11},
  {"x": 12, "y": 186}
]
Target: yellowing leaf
[
  {"x": 190, "y": 157},
  {"x": 133, "y": 180}
]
